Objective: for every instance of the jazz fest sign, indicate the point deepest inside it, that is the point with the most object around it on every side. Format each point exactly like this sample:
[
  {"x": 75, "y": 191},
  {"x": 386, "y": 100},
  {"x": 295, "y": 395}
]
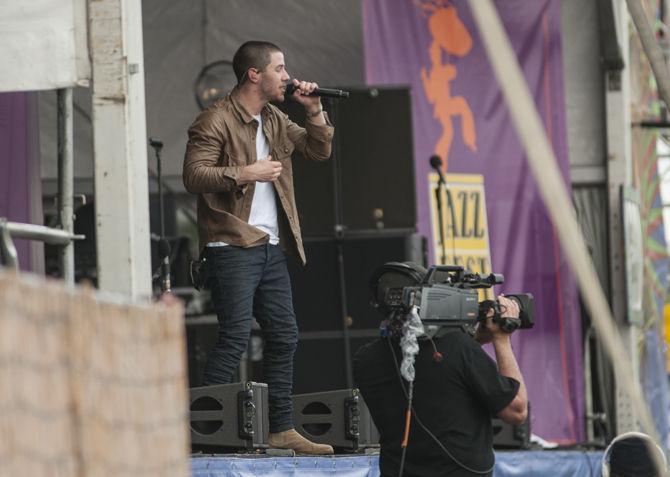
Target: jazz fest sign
[{"x": 464, "y": 225}]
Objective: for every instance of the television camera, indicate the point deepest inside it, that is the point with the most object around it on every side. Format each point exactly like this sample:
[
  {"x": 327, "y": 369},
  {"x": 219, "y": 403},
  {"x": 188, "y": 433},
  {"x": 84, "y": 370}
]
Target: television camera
[{"x": 445, "y": 296}]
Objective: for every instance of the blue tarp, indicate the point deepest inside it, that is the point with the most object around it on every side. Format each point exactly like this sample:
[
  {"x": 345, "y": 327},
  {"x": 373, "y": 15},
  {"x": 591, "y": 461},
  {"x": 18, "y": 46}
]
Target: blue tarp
[
  {"x": 548, "y": 464},
  {"x": 508, "y": 464},
  {"x": 354, "y": 466}
]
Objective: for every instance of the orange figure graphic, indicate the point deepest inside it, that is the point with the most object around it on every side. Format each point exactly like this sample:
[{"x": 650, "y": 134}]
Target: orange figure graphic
[{"x": 450, "y": 37}]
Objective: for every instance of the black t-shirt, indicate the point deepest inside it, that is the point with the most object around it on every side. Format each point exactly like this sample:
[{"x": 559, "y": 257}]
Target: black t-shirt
[{"x": 455, "y": 399}]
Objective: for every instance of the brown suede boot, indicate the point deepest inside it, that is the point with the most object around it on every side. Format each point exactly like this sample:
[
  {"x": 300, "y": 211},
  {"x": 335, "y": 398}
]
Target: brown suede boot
[{"x": 290, "y": 439}]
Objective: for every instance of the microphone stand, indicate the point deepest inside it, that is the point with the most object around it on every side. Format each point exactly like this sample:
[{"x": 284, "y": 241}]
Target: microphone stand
[
  {"x": 339, "y": 234},
  {"x": 440, "y": 220},
  {"x": 163, "y": 245}
]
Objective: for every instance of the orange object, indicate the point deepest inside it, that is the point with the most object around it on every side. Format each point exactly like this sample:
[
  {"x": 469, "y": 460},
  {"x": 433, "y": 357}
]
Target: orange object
[
  {"x": 405, "y": 438},
  {"x": 450, "y": 37},
  {"x": 666, "y": 335}
]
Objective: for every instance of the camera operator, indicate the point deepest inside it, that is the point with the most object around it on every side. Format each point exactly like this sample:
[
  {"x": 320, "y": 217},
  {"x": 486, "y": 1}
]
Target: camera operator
[{"x": 458, "y": 389}]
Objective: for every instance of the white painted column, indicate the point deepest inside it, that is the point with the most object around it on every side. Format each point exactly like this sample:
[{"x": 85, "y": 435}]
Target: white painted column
[
  {"x": 619, "y": 174},
  {"x": 119, "y": 142},
  {"x": 619, "y": 160}
]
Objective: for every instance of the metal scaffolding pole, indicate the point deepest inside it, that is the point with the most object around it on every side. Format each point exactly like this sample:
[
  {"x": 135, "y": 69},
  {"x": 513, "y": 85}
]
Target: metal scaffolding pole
[
  {"x": 10, "y": 230},
  {"x": 66, "y": 181}
]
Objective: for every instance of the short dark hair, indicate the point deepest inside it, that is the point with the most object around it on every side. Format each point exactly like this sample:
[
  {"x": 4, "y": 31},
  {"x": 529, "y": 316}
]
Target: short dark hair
[
  {"x": 633, "y": 456},
  {"x": 252, "y": 54}
]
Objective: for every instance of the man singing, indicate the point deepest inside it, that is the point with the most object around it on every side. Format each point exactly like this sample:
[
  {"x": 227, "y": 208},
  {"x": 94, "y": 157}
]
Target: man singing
[{"x": 238, "y": 161}]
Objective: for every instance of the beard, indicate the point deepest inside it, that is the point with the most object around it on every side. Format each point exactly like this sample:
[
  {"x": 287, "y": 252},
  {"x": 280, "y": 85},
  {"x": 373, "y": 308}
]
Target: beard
[{"x": 273, "y": 92}]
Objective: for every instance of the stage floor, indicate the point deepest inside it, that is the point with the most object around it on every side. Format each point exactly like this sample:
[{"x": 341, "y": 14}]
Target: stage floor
[{"x": 508, "y": 464}]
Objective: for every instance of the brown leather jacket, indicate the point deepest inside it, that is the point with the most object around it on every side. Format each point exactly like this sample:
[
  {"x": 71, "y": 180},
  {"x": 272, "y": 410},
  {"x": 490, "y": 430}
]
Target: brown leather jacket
[{"x": 221, "y": 141}]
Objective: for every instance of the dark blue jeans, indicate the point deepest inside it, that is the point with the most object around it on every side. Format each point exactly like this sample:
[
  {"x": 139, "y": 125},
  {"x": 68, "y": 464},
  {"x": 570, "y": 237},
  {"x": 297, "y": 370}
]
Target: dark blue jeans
[{"x": 248, "y": 282}]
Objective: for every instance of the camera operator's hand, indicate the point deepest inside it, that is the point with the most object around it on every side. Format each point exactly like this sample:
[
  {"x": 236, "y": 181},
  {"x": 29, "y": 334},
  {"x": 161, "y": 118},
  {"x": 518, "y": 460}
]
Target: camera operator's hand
[
  {"x": 516, "y": 411},
  {"x": 484, "y": 332},
  {"x": 508, "y": 308},
  {"x": 491, "y": 331}
]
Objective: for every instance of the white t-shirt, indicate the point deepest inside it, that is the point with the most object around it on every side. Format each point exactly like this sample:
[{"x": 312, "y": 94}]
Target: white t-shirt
[{"x": 263, "y": 213}]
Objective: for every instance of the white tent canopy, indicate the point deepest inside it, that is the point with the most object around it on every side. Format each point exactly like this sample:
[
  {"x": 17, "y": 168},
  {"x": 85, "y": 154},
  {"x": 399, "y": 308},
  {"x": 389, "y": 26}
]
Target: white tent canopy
[{"x": 44, "y": 45}]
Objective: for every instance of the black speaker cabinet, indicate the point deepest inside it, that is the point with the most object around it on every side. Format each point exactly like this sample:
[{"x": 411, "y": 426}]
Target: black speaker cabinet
[
  {"x": 508, "y": 436},
  {"x": 316, "y": 286},
  {"x": 201, "y": 335},
  {"x": 229, "y": 416},
  {"x": 319, "y": 363},
  {"x": 339, "y": 418},
  {"x": 372, "y": 164}
]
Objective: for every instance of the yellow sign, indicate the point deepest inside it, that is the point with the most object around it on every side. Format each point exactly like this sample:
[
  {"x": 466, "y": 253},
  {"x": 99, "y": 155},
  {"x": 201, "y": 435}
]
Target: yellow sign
[{"x": 464, "y": 225}]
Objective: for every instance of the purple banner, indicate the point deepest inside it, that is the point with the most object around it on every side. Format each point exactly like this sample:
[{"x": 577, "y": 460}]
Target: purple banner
[
  {"x": 459, "y": 114},
  {"x": 15, "y": 190}
]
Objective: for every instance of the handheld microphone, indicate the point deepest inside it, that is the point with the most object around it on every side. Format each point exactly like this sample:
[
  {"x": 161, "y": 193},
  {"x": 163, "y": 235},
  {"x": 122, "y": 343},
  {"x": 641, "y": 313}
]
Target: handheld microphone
[
  {"x": 323, "y": 92},
  {"x": 436, "y": 163}
]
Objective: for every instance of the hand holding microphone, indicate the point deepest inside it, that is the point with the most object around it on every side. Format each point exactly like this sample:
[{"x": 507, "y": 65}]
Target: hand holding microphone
[
  {"x": 302, "y": 92},
  {"x": 316, "y": 91},
  {"x": 309, "y": 95}
]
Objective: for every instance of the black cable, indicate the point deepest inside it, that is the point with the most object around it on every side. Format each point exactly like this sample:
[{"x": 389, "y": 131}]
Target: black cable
[{"x": 416, "y": 417}]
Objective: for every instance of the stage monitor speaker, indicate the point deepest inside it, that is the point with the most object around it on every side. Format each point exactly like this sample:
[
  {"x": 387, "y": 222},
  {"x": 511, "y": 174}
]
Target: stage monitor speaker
[
  {"x": 508, "y": 436},
  {"x": 339, "y": 418},
  {"x": 229, "y": 416},
  {"x": 374, "y": 152}
]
